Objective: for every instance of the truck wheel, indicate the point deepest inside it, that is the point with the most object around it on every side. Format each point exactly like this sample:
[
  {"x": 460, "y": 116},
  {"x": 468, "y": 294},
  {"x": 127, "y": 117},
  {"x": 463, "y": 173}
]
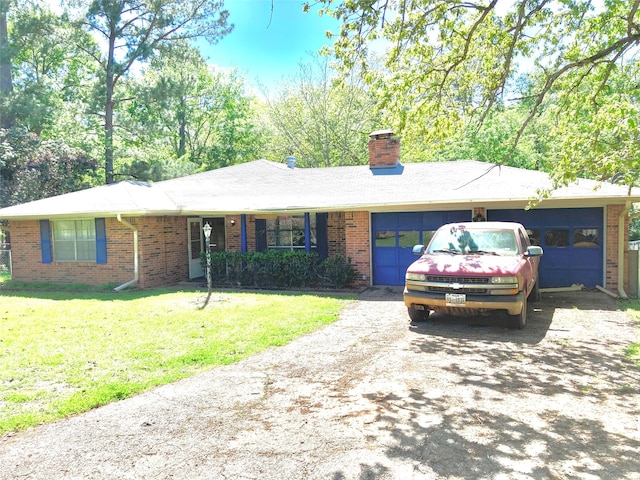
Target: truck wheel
[
  {"x": 418, "y": 315},
  {"x": 535, "y": 295},
  {"x": 520, "y": 320}
]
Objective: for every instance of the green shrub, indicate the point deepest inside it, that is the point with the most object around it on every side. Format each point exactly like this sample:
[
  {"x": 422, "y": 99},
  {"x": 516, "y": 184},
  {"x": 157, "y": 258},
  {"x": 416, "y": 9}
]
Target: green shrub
[
  {"x": 279, "y": 269},
  {"x": 338, "y": 272}
]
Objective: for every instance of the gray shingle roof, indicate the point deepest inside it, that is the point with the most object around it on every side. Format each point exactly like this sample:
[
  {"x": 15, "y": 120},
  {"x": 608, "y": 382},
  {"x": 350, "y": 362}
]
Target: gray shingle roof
[{"x": 263, "y": 186}]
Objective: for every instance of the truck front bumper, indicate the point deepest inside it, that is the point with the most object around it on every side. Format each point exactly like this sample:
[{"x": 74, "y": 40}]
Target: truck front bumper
[{"x": 436, "y": 301}]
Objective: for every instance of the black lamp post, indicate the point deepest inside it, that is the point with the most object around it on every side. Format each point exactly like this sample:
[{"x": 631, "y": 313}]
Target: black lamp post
[{"x": 207, "y": 240}]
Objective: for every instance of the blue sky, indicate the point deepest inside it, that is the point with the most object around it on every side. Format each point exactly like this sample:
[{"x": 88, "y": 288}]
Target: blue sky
[{"x": 269, "y": 47}]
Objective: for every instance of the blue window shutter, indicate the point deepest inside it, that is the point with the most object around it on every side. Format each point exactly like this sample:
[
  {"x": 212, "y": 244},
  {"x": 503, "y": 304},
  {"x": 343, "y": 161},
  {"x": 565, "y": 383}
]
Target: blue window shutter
[
  {"x": 101, "y": 241},
  {"x": 261, "y": 235},
  {"x": 45, "y": 241},
  {"x": 322, "y": 238},
  {"x": 307, "y": 232},
  {"x": 243, "y": 233}
]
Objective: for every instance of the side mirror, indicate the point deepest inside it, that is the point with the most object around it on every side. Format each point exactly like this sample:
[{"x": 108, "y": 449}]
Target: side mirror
[
  {"x": 534, "y": 251},
  {"x": 418, "y": 249}
]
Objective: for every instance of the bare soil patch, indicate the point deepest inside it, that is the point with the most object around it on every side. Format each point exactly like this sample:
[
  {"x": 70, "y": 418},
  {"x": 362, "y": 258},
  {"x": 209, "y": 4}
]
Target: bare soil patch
[{"x": 374, "y": 397}]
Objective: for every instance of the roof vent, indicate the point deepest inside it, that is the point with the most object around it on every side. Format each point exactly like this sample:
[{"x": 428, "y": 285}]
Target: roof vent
[{"x": 291, "y": 161}]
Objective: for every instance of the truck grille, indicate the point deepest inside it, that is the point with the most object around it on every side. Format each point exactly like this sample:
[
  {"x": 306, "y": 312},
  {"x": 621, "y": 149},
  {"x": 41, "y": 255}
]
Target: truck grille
[{"x": 465, "y": 280}]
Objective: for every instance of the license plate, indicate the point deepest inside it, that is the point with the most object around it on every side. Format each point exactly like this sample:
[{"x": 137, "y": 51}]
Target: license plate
[{"x": 455, "y": 298}]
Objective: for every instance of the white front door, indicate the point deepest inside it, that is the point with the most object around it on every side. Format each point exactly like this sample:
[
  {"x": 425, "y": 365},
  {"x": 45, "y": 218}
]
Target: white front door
[{"x": 194, "y": 226}]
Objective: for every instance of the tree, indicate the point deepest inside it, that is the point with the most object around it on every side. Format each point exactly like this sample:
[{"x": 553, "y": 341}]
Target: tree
[
  {"x": 322, "y": 123},
  {"x": 133, "y": 31},
  {"x": 32, "y": 168},
  {"x": 186, "y": 116},
  {"x": 46, "y": 79},
  {"x": 6, "y": 81},
  {"x": 50, "y": 72},
  {"x": 451, "y": 63}
]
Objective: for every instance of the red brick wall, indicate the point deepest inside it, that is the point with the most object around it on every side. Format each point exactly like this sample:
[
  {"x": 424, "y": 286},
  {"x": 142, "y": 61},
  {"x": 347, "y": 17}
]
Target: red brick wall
[
  {"x": 28, "y": 267},
  {"x": 335, "y": 234},
  {"x": 358, "y": 244},
  {"x": 163, "y": 255},
  {"x": 234, "y": 242},
  {"x": 234, "y": 237},
  {"x": 611, "y": 254},
  {"x": 163, "y": 250}
]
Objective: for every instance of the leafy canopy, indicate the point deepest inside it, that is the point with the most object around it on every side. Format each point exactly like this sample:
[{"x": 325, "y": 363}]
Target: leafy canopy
[{"x": 449, "y": 64}]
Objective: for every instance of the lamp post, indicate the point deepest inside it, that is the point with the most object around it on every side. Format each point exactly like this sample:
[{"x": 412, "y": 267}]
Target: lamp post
[{"x": 207, "y": 240}]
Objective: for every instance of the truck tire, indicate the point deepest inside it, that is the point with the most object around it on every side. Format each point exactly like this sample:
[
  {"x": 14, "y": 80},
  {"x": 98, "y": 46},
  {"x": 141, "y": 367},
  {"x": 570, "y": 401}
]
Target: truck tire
[
  {"x": 418, "y": 315},
  {"x": 535, "y": 295},
  {"x": 519, "y": 321}
]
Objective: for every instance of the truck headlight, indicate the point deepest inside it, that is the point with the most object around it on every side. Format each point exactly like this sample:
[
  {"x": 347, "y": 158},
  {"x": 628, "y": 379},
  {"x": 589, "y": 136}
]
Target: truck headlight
[
  {"x": 421, "y": 277},
  {"x": 504, "y": 280}
]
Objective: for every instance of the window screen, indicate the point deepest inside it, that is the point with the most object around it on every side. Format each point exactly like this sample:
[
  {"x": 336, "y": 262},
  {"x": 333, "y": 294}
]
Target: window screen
[{"x": 74, "y": 240}]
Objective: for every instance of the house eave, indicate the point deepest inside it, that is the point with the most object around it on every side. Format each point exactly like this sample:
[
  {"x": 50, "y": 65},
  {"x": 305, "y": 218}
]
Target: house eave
[
  {"x": 95, "y": 214},
  {"x": 510, "y": 202}
]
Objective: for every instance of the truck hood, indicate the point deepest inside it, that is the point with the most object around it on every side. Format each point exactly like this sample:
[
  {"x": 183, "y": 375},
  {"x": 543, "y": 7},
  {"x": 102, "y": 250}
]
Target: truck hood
[{"x": 470, "y": 265}]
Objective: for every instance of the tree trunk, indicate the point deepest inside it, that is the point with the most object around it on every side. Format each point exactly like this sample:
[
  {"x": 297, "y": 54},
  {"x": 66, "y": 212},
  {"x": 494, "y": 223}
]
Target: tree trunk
[
  {"x": 6, "y": 82},
  {"x": 182, "y": 120},
  {"x": 108, "y": 112}
]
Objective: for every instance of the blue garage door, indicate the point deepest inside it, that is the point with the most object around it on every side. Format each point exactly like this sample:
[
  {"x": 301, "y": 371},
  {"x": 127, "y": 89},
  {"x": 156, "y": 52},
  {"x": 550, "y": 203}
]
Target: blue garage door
[
  {"x": 395, "y": 234},
  {"x": 571, "y": 239}
]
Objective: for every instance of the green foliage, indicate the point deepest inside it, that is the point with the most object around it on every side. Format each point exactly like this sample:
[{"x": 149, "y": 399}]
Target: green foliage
[
  {"x": 191, "y": 113},
  {"x": 322, "y": 122},
  {"x": 491, "y": 142},
  {"x": 634, "y": 225},
  {"x": 596, "y": 127},
  {"x": 337, "y": 271},
  {"x": 279, "y": 269},
  {"x": 134, "y": 33},
  {"x": 32, "y": 168},
  {"x": 450, "y": 65},
  {"x": 632, "y": 352}
]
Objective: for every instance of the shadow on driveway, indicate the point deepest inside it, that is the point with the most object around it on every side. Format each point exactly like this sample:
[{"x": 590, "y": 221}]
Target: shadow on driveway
[{"x": 554, "y": 400}]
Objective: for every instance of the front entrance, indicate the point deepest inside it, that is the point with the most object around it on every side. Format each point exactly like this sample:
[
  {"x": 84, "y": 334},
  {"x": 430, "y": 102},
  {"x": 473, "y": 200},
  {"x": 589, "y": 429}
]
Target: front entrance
[
  {"x": 197, "y": 242},
  {"x": 218, "y": 233},
  {"x": 196, "y": 246}
]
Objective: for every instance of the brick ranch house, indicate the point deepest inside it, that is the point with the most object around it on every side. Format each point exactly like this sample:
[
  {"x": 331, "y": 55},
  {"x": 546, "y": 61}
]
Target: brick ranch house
[{"x": 150, "y": 234}]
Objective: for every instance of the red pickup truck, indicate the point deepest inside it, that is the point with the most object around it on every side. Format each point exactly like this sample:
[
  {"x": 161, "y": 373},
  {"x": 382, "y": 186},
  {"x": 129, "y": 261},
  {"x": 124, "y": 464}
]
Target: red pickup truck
[{"x": 471, "y": 269}]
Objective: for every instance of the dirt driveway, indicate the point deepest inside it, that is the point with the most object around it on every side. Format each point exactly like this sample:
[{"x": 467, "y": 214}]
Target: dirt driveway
[{"x": 373, "y": 397}]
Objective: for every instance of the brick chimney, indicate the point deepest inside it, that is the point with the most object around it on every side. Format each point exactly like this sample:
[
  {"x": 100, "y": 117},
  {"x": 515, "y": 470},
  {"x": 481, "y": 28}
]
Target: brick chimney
[{"x": 384, "y": 149}]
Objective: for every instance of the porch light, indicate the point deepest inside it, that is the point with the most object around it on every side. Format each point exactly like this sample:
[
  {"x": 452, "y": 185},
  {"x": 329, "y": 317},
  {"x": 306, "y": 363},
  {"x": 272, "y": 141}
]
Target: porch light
[
  {"x": 207, "y": 239},
  {"x": 207, "y": 231}
]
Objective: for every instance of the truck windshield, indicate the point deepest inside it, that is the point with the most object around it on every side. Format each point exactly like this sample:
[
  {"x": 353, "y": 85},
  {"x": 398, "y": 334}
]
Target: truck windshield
[{"x": 477, "y": 241}]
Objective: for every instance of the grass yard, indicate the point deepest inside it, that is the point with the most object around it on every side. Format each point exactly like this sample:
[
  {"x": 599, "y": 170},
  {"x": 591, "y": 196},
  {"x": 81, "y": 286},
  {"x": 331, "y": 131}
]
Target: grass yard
[
  {"x": 65, "y": 353},
  {"x": 633, "y": 351}
]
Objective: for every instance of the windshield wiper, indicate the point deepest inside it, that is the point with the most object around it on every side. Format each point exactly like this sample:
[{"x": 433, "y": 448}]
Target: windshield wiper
[
  {"x": 446, "y": 250},
  {"x": 483, "y": 252}
]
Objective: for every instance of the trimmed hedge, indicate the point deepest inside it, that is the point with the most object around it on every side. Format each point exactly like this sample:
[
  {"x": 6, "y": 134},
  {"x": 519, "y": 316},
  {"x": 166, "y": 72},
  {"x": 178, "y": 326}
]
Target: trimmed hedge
[{"x": 279, "y": 269}]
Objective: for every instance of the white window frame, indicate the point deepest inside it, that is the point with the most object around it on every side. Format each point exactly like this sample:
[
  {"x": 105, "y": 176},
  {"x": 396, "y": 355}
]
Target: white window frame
[
  {"x": 281, "y": 236},
  {"x": 74, "y": 240}
]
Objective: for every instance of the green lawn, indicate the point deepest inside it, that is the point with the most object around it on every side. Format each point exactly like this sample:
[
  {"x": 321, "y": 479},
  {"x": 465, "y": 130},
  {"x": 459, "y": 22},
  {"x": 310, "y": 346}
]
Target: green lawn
[
  {"x": 65, "y": 353},
  {"x": 633, "y": 351}
]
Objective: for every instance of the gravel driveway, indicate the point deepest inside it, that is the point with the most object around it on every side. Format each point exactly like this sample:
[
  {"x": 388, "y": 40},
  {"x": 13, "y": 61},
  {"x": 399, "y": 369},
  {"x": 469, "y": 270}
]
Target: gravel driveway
[{"x": 373, "y": 397}]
